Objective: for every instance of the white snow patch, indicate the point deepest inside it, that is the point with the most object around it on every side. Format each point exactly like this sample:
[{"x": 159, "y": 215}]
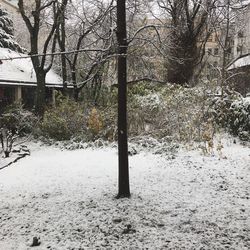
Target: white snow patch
[
  {"x": 22, "y": 69},
  {"x": 67, "y": 199},
  {"x": 241, "y": 62}
]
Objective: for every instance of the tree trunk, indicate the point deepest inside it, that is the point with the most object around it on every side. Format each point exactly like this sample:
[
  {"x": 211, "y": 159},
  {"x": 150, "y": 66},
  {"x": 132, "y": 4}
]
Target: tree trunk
[
  {"x": 64, "y": 75},
  {"x": 76, "y": 91},
  {"x": 183, "y": 55},
  {"x": 62, "y": 42},
  {"x": 225, "y": 50},
  {"x": 40, "y": 93},
  {"x": 7, "y": 154},
  {"x": 123, "y": 184}
]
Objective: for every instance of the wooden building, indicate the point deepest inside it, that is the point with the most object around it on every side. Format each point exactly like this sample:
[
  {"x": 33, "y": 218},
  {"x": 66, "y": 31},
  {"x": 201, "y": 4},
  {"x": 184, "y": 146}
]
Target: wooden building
[
  {"x": 18, "y": 79},
  {"x": 239, "y": 71}
]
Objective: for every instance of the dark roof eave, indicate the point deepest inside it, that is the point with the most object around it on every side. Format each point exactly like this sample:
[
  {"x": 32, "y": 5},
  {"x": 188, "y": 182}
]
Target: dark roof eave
[
  {"x": 240, "y": 67},
  {"x": 236, "y": 59},
  {"x": 12, "y": 5},
  {"x": 30, "y": 84}
]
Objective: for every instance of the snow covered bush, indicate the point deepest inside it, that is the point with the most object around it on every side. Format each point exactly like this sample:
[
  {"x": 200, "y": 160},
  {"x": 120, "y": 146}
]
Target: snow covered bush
[
  {"x": 144, "y": 112},
  {"x": 63, "y": 121},
  {"x": 18, "y": 120},
  {"x": 232, "y": 112},
  {"x": 185, "y": 113},
  {"x": 169, "y": 111},
  {"x": 159, "y": 111},
  {"x": 15, "y": 122},
  {"x": 239, "y": 118},
  {"x": 7, "y": 139},
  {"x": 219, "y": 107}
]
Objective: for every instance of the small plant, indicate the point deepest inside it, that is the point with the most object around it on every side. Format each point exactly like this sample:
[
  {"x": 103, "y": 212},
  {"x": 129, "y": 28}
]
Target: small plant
[
  {"x": 219, "y": 149},
  {"x": 95, "y": 123},
  {"x": 15, "y": 122},
  {"x": 7, "y": 138},
  {"x": 208, "y": 137}
]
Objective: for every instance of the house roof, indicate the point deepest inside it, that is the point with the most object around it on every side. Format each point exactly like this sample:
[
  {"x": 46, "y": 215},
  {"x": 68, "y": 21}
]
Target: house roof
[
  {"x": 241, "y": 4},
  {"x": 13, "y": 3},
  {"x": 21, "y": 71},
  {"x": 240, "y": 62}
]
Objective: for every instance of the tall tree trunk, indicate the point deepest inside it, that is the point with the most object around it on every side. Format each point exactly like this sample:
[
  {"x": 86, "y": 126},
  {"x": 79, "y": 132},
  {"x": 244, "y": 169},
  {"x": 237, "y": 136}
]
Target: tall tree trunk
[
  {"x": 183, "y": 55},
  {"x": 76, "y": 91},
  {"x": 63, "y": 59},
  {"x": 61, "y": 36},
  {"x": 225, "y": 49},
  {"x": 40, "y": 93},
  {"x": 123, "y": 185}
]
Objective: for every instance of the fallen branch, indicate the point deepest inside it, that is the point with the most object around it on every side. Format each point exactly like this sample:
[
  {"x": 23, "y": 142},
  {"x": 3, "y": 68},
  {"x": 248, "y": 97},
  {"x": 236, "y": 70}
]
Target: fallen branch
[{"x": 20, "y": 156}]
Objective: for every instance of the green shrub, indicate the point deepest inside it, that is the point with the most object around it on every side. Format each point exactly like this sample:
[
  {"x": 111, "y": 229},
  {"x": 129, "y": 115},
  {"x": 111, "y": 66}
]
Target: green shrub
[
  {"x": 15, "y": 122},
  {"x": 219, "y": 107},
  {"x": 239, "y": 118},
  {"x": 109, "y": 123},
  {"x": 168, "y": 111},
  {"x": 18, "y": 120},
  {"x": 63, "y": 121},
  {"x": 232, "y": 112},
  {"x": 95, "y": 123}
]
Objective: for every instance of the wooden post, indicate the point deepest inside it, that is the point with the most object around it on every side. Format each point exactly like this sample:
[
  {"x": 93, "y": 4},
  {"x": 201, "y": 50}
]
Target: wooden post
[
  {"x": 53, "y": 97},
  {"x": 18, "y": 94}
]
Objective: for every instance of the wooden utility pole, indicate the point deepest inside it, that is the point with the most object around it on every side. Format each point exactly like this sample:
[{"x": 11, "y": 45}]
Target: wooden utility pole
[{"x": 123, "y": 183}]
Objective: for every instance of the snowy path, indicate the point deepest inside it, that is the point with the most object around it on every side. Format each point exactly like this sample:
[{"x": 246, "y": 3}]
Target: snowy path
[{"x": 67, "y": 199}]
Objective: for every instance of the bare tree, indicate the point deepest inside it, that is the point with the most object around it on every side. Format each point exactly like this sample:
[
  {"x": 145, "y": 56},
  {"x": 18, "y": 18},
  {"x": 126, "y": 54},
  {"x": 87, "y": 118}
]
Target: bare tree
[
  {"x": 61, "y": 36},
  {"x": 187, "y": 20},
  {"x": 41, "y": 65},
  {"x": 227, "y": 16},
  {"x": 86, "y": 29}
]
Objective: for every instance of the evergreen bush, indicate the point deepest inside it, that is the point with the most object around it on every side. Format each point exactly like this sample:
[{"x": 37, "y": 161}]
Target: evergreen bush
[
  {"x": 63, "y": 121},
  {"x": 239, "y": 118}
]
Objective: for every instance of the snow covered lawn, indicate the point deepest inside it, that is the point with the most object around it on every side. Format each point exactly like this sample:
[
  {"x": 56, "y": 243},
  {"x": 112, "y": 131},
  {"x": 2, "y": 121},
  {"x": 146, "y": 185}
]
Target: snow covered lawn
[{"x": 67, "y": 199}]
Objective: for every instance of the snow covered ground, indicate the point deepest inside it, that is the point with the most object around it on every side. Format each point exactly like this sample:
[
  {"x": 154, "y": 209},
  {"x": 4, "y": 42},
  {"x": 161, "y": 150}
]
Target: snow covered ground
[{"x": 67, "y": 199}]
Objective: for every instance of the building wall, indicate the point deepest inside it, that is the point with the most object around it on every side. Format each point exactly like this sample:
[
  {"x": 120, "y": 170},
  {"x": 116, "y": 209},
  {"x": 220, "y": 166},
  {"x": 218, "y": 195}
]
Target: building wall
[
  {"x": 212, "y": 58},
  {"x": 242, "y": 32},
  {"x": 240, "y": 80},
  {"x": 10, "y": 6},
  {"x": 248, "y": 29},
  {"x": 21, "y": 32}
]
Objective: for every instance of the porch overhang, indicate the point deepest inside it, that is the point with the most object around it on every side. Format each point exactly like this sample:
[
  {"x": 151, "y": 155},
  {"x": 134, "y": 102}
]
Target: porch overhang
[{"x": 15, "y": 83}]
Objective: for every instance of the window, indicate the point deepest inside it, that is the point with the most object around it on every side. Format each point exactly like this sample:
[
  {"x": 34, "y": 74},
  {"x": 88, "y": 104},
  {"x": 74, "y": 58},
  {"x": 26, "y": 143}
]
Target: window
[
  {"x": 1, "y": 93},
  {"x": 216, "y": 51},
  {"x": 239, "y": 49},
  {"x": 240, "y": 34},
  {"x": 229, "y": 50},
  {"x": 209, "y": 51},
  {"x": 210, "y": 39}
]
